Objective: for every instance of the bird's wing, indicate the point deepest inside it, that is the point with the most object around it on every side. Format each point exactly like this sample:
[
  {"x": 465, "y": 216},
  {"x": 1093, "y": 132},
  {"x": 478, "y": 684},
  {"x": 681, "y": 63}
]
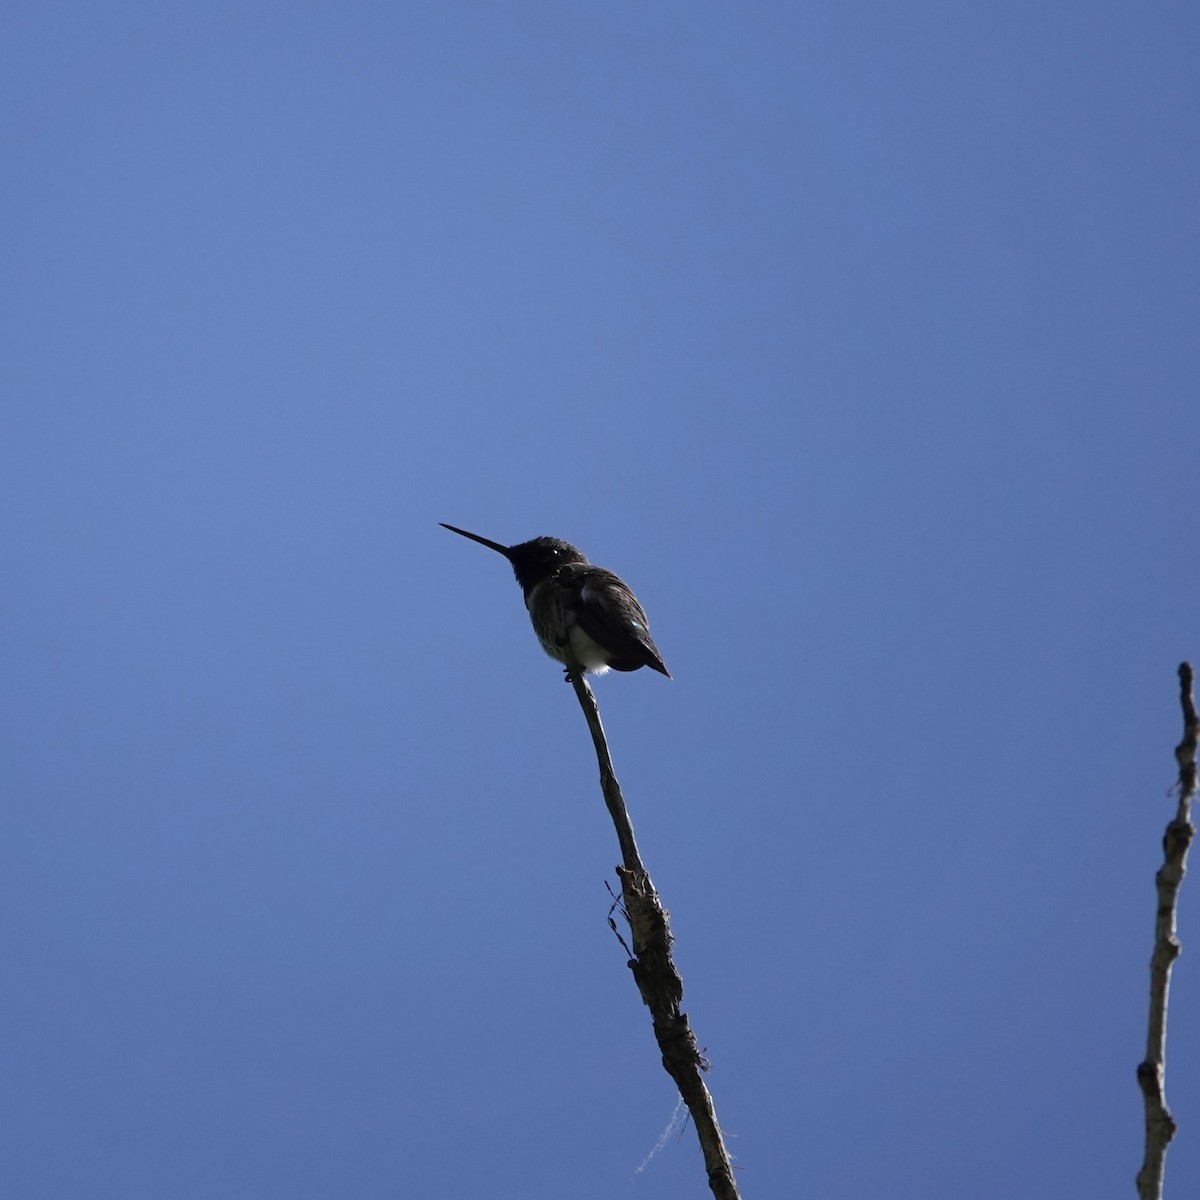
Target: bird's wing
[{"x": 609, "y": 613}]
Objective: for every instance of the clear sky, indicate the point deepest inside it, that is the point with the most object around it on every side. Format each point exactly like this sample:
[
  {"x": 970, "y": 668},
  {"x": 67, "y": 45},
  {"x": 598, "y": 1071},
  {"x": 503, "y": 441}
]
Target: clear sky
[{"x": 860, "y": 338}]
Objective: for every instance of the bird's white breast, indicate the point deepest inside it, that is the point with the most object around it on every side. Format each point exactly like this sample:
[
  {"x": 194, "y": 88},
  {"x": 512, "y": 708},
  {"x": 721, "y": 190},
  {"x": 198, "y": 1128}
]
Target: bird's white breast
[{"x": 593, "y": 656}]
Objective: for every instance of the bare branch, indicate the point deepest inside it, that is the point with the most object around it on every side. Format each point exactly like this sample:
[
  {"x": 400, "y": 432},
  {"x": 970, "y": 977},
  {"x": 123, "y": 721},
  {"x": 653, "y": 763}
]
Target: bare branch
[
  {"x": 1151, "y": 1073},
  {"x": 653, "y": 968}
]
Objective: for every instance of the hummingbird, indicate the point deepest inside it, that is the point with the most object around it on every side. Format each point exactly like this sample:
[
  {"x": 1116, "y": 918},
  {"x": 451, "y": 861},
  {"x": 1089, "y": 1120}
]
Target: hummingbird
[{"x": 574, "y": 605}]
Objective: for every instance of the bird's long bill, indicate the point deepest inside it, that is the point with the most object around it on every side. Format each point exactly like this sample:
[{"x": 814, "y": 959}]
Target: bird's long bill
[{"x": 476, "y": 538}]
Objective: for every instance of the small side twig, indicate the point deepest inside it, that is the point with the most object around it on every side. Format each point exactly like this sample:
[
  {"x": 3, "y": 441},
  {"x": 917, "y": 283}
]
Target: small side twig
[
  {"x": 653, "y": 968},
  {"x": 1151, "y": 1072}
]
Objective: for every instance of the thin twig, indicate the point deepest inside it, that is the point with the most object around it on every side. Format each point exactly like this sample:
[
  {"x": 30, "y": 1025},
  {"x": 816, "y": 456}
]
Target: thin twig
[
  {"x": 1151, "y": 1073},
  {"x": 652, "y": 965}
]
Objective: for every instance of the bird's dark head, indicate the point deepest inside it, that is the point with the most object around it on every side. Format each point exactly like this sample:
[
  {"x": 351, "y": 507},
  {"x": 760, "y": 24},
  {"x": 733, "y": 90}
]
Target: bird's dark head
[
  {"x": 534, "y": 561},
  {"x": 531, "y": 561}
]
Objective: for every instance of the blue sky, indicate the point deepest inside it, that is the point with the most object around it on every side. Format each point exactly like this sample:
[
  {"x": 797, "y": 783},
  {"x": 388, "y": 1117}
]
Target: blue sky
[{"x": 860, "y": 339}]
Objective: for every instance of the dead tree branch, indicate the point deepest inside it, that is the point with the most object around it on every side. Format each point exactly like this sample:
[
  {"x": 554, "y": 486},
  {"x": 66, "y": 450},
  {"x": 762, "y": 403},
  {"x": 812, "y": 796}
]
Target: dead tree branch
[
  {"x": 1151, "y": 1072},
  {"x": 653, "y": 968}
]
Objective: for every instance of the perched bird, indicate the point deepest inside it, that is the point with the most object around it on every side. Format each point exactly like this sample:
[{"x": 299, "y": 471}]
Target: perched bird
[{"x": 577, "y": 606}]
